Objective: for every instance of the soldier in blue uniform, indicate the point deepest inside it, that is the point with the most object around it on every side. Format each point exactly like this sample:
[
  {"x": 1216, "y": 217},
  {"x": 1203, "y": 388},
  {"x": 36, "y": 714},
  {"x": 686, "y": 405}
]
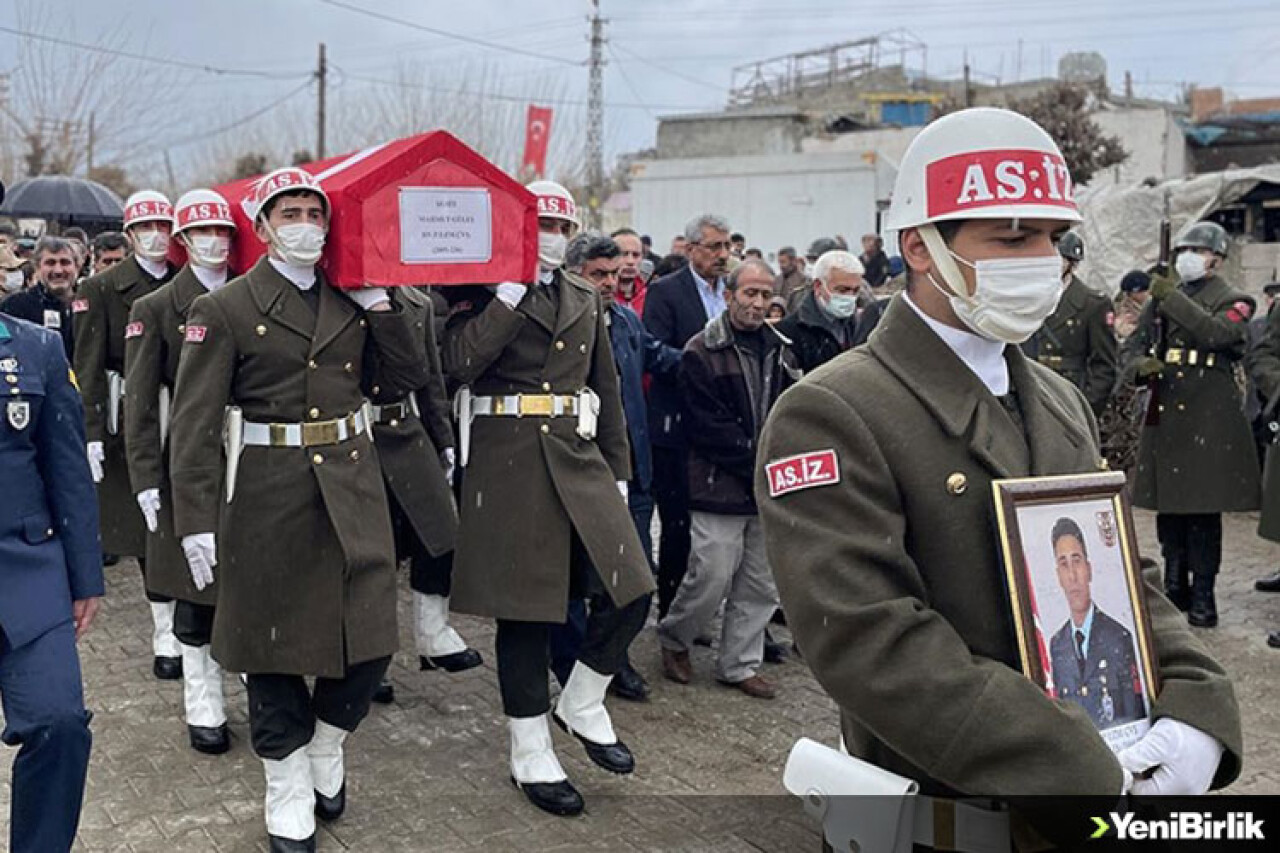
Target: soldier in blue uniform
[
  {"x": 50, "y": 585},
  {"x": 1092, "y": 654}
]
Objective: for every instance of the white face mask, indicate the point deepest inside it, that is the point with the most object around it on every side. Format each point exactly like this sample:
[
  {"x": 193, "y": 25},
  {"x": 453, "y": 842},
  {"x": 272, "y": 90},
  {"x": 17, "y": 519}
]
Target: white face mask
[
  {"x": 13, "y": 281},
  {"x": 299, "y": 244},
  {"x": 1191, "y": 266},
  {"x": 551, "y": 248},
  {"x": 842, "y": 306},
  {"x": 208, "y": 250},
  {"x": 152, "y": 245}
]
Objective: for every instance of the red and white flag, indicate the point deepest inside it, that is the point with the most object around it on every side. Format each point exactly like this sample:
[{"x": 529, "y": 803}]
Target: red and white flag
[{"x": 537, "y": 132}]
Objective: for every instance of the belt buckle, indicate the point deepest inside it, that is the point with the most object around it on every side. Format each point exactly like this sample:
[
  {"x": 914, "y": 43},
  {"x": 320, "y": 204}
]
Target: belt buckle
[
  {"x": 314, "y": 434},
  {"x": 1210, "y": 360},
  {"x": 278, "y": 434},
  {"x": 1173, "y": 356},
  {"x": 542, "y": 405},
  {"x": 1192, "y": 357}
]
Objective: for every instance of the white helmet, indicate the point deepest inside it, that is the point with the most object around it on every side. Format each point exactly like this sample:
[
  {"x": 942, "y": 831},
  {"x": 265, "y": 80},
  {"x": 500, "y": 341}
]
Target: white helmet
[
  {"x": 981, "y": 163},
  {"x": 290, "y": 179},
  {"x": 202, "y": 207},
  {"x": 555, "y": 202},
  {"x": 147, "y": 206}
]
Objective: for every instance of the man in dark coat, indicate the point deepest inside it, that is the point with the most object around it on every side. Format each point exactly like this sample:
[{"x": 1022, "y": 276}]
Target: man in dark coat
[
  {"x": 544, "y": 513},
  {"x": 47, "y": 302},
  {"x": 303, "y": 547},
  {"x": 100, "y": 315},
  {"x": 50, "y": 586},
  {"x": 837, "y": 314},
  {"x": 874, "y": 260},
  {"x": 153, "y": 344},
  {"x": 874, "y": 485},
  {"x": 1078, "y": 341},
  {"x": 1265, "y": 370},
  {"x": 1196, "y": 458},
  {"x": 677, "y": 308},
  {"x": 1092, "y": 655}
]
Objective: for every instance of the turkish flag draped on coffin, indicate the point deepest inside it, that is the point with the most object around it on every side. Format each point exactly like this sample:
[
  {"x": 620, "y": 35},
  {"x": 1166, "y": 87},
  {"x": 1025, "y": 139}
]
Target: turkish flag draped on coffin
[{"x": 425, "y": 209}]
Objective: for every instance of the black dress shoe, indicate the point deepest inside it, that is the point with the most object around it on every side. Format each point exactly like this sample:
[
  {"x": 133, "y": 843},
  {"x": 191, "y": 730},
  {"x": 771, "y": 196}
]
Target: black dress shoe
[
  {"x": 630, "y": 685},
  {"x": 331, "y": 808},
  {"x": 614, "y": 757},
  {"x": 211, "y": 740},
  {"x": 167, "y": 669},
  {"x": 456, "y": 662},
  {"x": 774, "y": 652},
  {"x": 288, "y": 845},
  {"x": 1273, "y": 639},
  {"x": 385, "y": 694},
  {"x": 1271, "y": 583},
  {"x": 558, "y": 798}
]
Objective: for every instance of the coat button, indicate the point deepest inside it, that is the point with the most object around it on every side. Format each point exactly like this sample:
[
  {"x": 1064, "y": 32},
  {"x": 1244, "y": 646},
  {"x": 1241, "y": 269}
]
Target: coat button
[
  {"x": 314, "y": 413},
  {"x": 957, "y": 484},
  {"x": 312, "y": 364},
  {"x": 546, "y": 386},
  {"x": 364, "y": 324},
  {"x": 394, "y": 422},
  {"x": 182, "y": 329},
  {"x": 11, "y": 379},
  {"x": 317, "y": 458},
  {"x": 1182, "y": 407},
  {"x": 582, "y": 348},
  {"x": 545, "y": 429},
  {"x": 376, "y": 389},
  {"x": 1104, "y": 465},
  {"x": 559, "y": 345},
  {"x": 261, "y": 330},
  {"x": 348, "y": 367},
  {"x": 48, "y": 531},
  {"x": 355, "y": 456}
]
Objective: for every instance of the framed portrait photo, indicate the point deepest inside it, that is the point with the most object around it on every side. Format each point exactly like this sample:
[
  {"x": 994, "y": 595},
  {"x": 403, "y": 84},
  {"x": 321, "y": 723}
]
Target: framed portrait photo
[{"x": 1075, "y": 586}]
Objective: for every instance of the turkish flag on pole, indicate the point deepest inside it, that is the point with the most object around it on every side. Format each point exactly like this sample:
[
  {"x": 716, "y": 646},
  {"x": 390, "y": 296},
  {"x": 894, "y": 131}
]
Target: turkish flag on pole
[{"x": 536, "y": 132}]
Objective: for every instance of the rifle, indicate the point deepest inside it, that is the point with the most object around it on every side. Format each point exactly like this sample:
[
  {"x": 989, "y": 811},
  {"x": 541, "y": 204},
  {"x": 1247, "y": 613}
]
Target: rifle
[{"x": 1157, "y": 348}]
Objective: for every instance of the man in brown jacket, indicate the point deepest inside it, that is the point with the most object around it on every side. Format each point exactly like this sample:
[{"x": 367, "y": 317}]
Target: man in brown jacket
[
  {"x": 153, "y": 342},
  {"x": 875, "y": 492},
  {"x": 543, "y": 517},
  {"x": 304, "y": 551},
  {"x": 100, "y": 313}
]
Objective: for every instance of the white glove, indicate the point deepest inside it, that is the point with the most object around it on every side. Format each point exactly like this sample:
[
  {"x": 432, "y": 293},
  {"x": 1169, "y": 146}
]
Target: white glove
[
  {"x": 149, "y": 503},
  {"x": 1184, "y": 759},
  {"x": 511, "y": 293},
  {"x": 202, "y": 556},
  {"x": 96, "y": 456},
  {"x": 622, "y": 490},
  {"x": 450, "y": 461},
  {"x": 367, "y": 297}
]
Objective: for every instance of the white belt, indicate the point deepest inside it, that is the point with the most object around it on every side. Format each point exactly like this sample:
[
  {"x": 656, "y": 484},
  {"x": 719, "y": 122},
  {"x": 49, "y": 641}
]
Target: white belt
[
  {"x": 306, "y": 434},
  {"x": 526, "y": 405}
]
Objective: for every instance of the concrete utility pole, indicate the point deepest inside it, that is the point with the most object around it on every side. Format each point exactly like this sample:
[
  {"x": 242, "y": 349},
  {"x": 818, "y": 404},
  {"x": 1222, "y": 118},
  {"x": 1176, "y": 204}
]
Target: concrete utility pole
[
  {"x": 322, "y": 74},
  {"x": 595, "y": 119}
]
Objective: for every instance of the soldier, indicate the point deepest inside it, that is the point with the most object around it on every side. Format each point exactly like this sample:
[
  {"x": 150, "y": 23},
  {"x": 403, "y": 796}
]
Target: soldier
[
  {"x": 100, "y": 313},
  {"x": 153, "y": 342},
  {"x": 1078, "y": 340},
  {"x": 544, "y": 511},
  {"x": 416, "y": 450},
  {"x": 903, "y": 616},
  {"x": 1196, "y": 458},
  {"x": 50, "y": 586},
  {"x": 1265, "y": 369},
  {"x": 306, "y": 562}
]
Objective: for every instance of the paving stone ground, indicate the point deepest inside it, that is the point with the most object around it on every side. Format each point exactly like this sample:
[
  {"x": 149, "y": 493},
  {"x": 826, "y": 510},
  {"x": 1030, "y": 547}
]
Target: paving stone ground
[{"x": 429, "y": 773}]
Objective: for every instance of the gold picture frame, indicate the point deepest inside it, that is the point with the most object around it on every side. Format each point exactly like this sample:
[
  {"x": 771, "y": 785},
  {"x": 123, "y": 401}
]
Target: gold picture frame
[{"x": 1075, "y": 587}]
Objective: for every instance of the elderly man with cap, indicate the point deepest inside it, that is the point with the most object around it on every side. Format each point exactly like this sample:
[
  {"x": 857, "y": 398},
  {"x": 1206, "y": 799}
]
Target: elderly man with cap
[
  {"x": 153, "y": 343},
  {"x": 544, "y": 508},
  {"x": 903, "y": 616},
  {"x": 100, "y": 315},
  {"x": 1078, "y": 341},
  {"x": 298, "y": 532},
  {"x": 1196, "y": 458}
]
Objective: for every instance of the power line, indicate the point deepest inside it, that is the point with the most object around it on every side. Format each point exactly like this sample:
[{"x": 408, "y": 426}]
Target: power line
[
  {"x": 155, "y": 60},
  {"x": 446, "y": 34},
  {"x": 638, "y": 58},
  {"x": 240, "y": 122}
]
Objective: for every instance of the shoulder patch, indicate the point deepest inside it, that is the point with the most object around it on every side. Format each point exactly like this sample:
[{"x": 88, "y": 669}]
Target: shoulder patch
[
  {"x": 134, "y": 330},
  {"x": 803, "y": 471},
  {"x": 1239, "y": 312},
  {"x": 195, "y": 334},
  {"x": 79, "y": 306}
]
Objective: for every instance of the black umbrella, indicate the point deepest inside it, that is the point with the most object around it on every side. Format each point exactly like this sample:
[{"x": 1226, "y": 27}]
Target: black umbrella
[{"x": 70, "y": 201}]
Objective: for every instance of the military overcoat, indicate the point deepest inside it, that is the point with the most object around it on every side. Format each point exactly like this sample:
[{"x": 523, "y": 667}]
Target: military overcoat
[
  {"x": 1196, "y": 453},
  {"x": 531, "y": 482},
  {"x": 409, "y": 448},
  {"x": 305, "y": 554},
  {"x": 889, "y": 569},
  {"x": 1265, "y": 368},
  {"x": 1078, "y": 342},
  {"x": 99, "y": 315},
  {"x": 153, "y": 342}
]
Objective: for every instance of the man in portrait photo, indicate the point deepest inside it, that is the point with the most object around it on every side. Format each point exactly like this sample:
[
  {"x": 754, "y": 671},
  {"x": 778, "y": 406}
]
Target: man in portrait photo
[{"x": 1092, "y": 654}]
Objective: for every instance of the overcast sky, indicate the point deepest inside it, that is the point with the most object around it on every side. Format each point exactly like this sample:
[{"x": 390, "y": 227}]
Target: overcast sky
[{"x": 663, "y": 56}]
